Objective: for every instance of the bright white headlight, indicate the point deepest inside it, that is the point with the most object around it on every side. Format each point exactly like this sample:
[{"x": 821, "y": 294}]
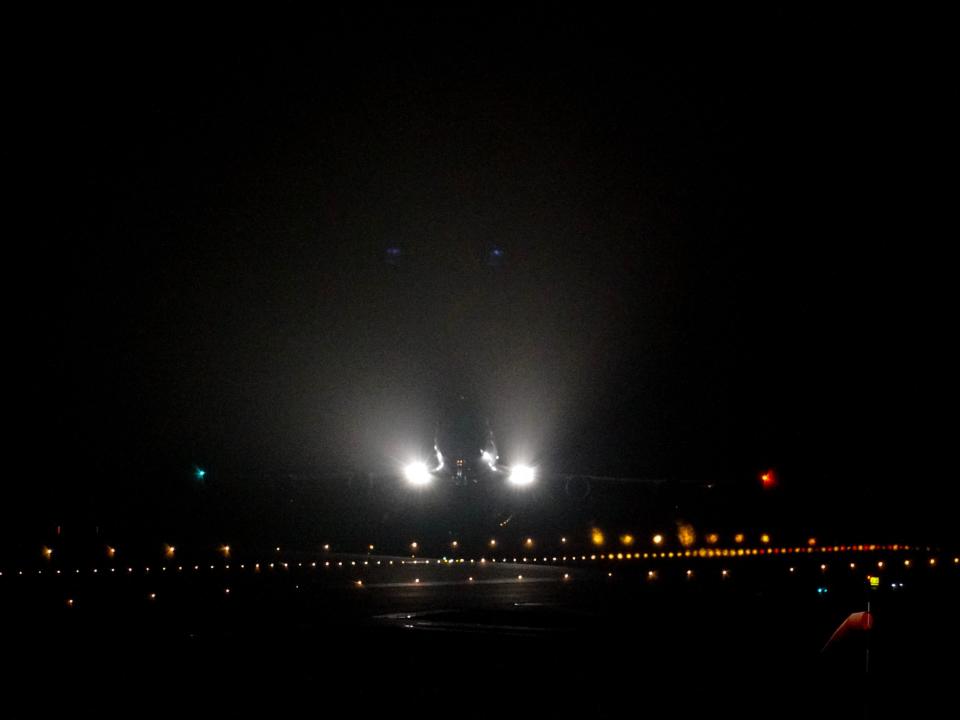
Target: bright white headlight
[
  {"x": 521, "y": 474},
  {"x": 417, "y": 473}
]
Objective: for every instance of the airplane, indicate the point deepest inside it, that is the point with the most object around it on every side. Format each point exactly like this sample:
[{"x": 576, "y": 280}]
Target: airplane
[{"x": 465, "y": 451}]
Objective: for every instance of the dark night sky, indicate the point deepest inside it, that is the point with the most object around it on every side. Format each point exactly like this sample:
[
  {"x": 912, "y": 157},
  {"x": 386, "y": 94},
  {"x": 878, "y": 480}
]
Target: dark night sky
[{"x": 713, "y": 234}]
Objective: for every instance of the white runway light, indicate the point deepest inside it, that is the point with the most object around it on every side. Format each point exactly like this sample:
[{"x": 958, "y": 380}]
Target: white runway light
[
  {"x": 521, "y": 474},
  {"x": 417, "y": 473}
]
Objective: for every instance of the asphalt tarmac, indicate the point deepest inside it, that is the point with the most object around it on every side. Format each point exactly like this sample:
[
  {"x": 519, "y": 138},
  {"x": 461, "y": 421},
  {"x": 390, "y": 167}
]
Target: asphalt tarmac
[{"x": 362, "y": 634}]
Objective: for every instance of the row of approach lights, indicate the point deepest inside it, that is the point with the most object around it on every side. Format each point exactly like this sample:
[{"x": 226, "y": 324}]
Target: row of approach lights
[
  {"x": 726, "y": 552},
  {"x": 651, "y": 574},
  {"x": 597, "y": 538},
  {"x": 739, "y": 552},
  {"x": 699, "y": 553}
]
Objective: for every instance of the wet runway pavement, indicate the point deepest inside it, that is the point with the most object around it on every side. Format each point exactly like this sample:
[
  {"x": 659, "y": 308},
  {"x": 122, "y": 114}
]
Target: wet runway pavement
[{"x": 389, "y": 633}]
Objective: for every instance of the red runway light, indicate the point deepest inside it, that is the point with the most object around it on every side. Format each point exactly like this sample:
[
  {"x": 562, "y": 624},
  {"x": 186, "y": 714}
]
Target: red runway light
[{"x": 768, "y": 479}]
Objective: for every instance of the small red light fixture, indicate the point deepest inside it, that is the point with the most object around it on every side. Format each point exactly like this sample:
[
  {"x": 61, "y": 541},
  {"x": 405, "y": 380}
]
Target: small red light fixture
[{"x": 768, "y": 479}]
